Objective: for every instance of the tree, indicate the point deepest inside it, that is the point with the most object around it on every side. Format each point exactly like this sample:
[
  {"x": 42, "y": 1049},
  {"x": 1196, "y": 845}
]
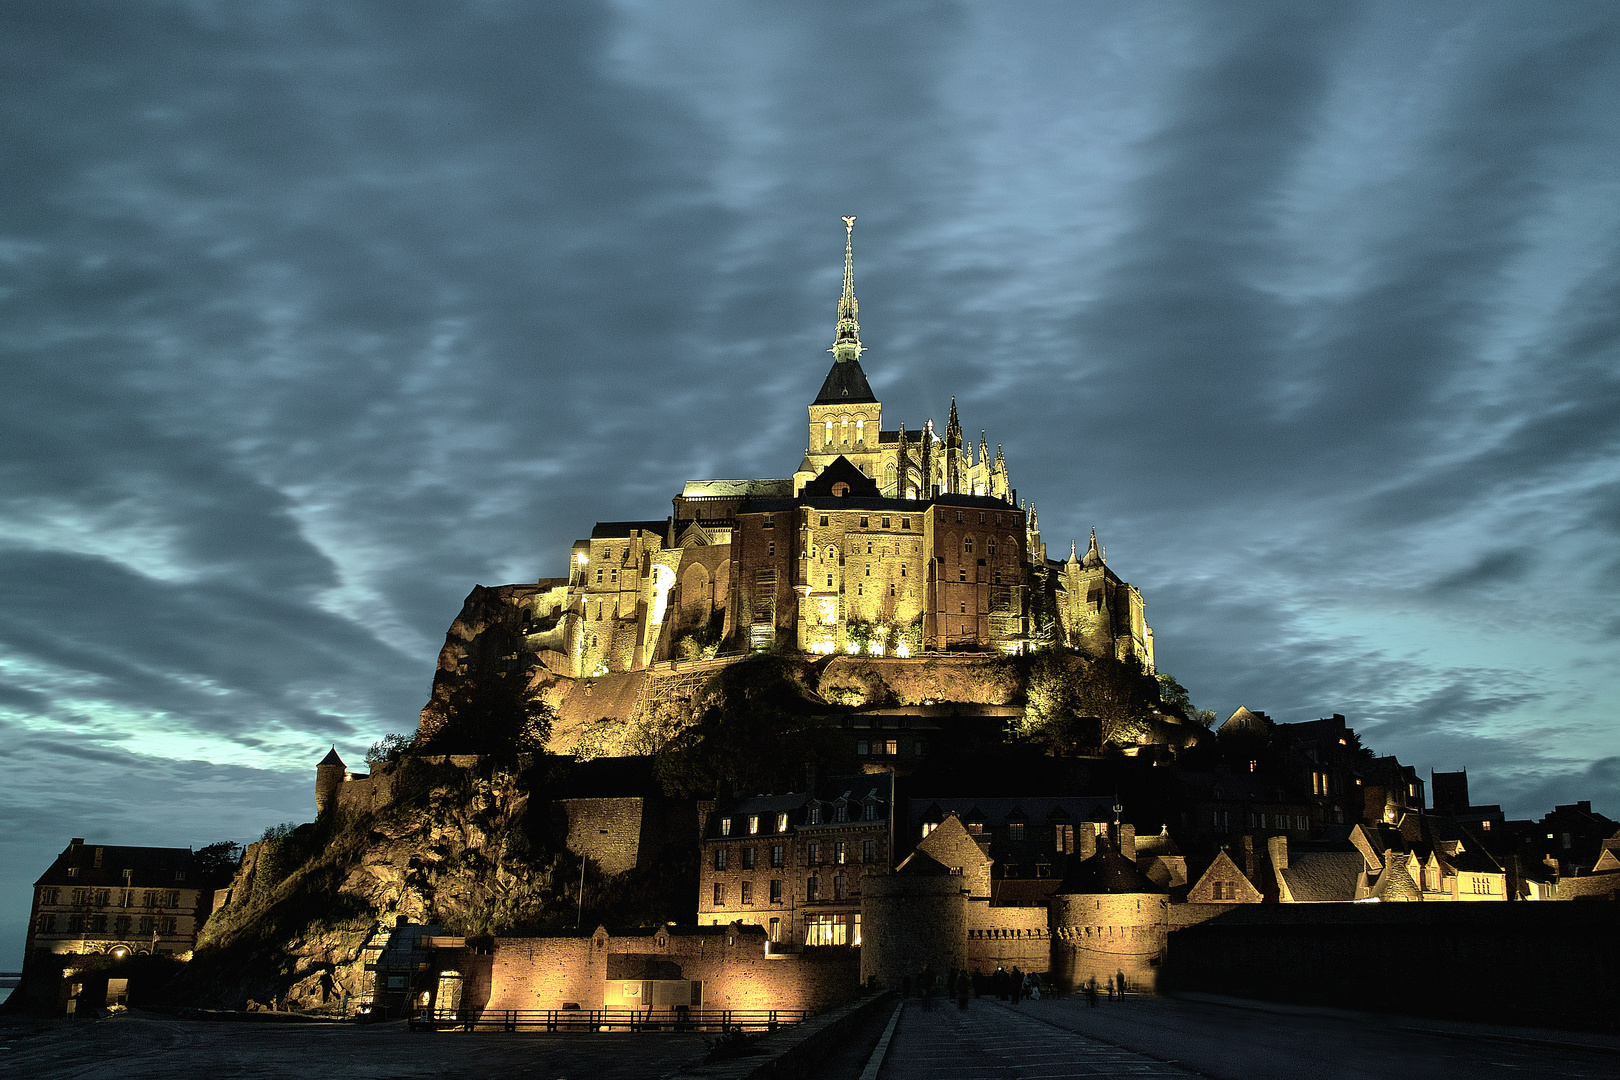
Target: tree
[
  {"x": 1173, "y": 697},
  {"x": 216, "y": 864},
  {"x": 756, "y": 728},
  {"x": 494, "y": 709}
]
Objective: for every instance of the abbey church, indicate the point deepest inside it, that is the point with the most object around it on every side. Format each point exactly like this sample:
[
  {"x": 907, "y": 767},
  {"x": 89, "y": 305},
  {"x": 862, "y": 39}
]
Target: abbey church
[{"x": 884, "y": 542}]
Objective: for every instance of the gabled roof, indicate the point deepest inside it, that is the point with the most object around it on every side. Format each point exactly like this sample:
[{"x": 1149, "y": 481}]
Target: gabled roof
[
  {"x": 845, "y": 384},
  {"x": 1323, "y": 876},
  {"x": 842, "y": 470},
  {"x": 150, "y": 867},
  {"x": 620, "y": 530}
]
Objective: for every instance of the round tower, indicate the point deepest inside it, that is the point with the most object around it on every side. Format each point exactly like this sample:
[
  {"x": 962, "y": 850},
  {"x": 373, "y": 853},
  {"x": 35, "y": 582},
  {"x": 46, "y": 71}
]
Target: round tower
[
  {"x": 328, "y": 779},
  {"x": 912, "y": 919},
  {"x": 1107, "y": 917}
]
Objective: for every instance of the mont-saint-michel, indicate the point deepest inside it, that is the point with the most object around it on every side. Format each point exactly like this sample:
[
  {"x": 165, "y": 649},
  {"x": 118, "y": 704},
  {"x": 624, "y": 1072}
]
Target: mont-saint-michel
[{"x": 809, "y": 750}]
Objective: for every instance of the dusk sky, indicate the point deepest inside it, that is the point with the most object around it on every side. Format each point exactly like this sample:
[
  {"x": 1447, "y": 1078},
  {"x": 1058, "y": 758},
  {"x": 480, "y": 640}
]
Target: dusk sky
[{"x": 313, "y": 316}]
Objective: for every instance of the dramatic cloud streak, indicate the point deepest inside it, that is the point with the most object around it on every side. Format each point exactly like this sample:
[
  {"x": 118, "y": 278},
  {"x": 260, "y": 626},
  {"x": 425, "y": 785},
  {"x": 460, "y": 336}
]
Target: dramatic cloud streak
[{"x": 314, "y": 317}]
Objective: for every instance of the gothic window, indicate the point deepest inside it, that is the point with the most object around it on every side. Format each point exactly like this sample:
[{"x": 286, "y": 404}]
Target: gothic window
[
  {"x": 860, "y": 431},
  {"x": 827, "y": 436},
  {"x": 844, "y": 429},
  {"x": 967, "y": 546},
  {"x": 990, "y": 546},
  {"x": 888, "y": 482}
]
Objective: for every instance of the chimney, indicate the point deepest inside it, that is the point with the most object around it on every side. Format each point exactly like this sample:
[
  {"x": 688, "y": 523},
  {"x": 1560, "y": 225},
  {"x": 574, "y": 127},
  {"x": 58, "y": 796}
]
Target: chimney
[
  {"x": 1246, "y": 846},
  {"x": 1277, "y": 848},
  {"x": 1127, "y": 841},
  {"x": 1087, "y": 835}
]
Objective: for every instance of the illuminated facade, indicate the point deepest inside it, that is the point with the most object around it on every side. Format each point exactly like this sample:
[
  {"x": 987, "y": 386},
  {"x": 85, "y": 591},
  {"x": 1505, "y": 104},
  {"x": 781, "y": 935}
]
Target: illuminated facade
[{"x": 882, "y": 542}]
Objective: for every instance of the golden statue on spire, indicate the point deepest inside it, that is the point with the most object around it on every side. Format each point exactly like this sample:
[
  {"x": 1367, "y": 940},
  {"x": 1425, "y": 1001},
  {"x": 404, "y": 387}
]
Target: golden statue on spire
[{"x": 849, "y": 224}]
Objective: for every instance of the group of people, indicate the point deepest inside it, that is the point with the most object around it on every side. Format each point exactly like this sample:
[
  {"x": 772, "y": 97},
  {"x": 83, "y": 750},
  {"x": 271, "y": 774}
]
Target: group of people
[
  {"x": 1116, "y": 985},
  {"x": 1010, "y": 986}
]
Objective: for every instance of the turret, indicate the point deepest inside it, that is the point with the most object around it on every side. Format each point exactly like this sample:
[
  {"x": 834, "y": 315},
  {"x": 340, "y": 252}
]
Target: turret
[
  {"x": 328, "y": 779},
  {"x": 1094, "y": 554}
]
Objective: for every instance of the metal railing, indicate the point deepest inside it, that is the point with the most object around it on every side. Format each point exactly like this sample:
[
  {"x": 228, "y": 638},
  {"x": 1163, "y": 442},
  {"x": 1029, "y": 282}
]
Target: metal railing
[{"x": 606, "y": 1019}]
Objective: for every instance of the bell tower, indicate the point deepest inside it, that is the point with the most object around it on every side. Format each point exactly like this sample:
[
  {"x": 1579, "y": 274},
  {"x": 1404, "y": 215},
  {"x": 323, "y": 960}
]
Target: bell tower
[{"x": 845, "y": 418}]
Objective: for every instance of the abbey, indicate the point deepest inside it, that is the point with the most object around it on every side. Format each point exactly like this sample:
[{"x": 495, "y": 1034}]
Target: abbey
[{"x": 883, "y": 542}]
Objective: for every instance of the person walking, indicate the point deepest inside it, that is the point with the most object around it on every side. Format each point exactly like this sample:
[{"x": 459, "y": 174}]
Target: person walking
[
  {"x": 1016, "y": 986},
  {"x": 1110, "y": 988},
  {"x": 1091, "y": 992},
  {"x": 1119, "y": 977}
]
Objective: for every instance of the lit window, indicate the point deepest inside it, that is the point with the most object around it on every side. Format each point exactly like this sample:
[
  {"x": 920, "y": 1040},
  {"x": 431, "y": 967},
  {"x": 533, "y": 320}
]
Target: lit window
[
  {"x": 781, "y": 823},
  {"x": 1015, "y": 830},
  {"x": 838, "y": 853},
  {"x": 753, "y": 824},
  {"x": 725, "y": 826}
]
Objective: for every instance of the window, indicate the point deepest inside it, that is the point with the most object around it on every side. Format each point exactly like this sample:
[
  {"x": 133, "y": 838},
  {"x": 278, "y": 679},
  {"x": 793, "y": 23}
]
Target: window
[
  {"x": 864, "y": 525},
  {"x": 832, "y": 930},
  {"x": 959, "y": 517},
  {"x": 863, "y": 747},
  {"x": 841, "y": 812},
  {"x": 753, "y": 824},
  {"x": 826, "y": 435},
  {"x": 777, "y": 854},
  {"x": 599, "y": 573},
  {"x": 860, "y": 431},
  {"x": 824, "y": 520},
  {"x": 781, "y": 823},
  {"x": 981, "y": 517},
  {"x": 49, "y": 896},
  {"x": 891, "y": 587},
  {"x": 144, "y": 926},
  {"x": 967, "y": 546},
  {"x": 812, "y": 853},
  {"x": 769, "y": 522},
  {"x": 868, "y": 851},
  {"x": 840, "y": 888},
  {"x": 990, "y": 546},
  {"x": 975, "y": 828},
  {"x": 719, "y": 895},
  {"x": 814, "y": 817},
  {"x": 868, "y": 567},
  {"x": 869, "y": 812},
  {"x": 838, "y": 853},
  {"x": 770, "y": 548},
  {"x": 964, "y": 605},
  {"x": 615, "y": 576},
  {"x": 725, "y": 826},
  {"x": 902, "y": 569},
  {"x": 829, "y": 579},
  {"x": 886, "y": 523},
  {"x": 73, "y": 871},
  {"x": 905, "y": 523},
  {"x": 47, "y": 923},
  {"x": 121, "y": 925},
  {"x": 748, "y": 858},
  {"x": 812, "y": 888},
  {"x": 920, "y": 748},
  {"x": 748, "y": 892},
  {"x": 720, "y": 856},
  {"x": 1015, "y": 830}
]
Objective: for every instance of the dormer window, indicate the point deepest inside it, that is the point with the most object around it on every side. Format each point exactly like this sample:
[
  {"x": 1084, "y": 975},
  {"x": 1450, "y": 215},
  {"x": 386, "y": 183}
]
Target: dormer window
[
  {"x": 815, "y": 816},
  {"x": 842, "y": 812},
  {"x": 725, "y": 826},
  {"x": 781, "y": 823}
]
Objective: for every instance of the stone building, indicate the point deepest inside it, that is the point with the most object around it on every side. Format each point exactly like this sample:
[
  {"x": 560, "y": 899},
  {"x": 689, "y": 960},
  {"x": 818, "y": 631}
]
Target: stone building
[
  {"x": 884, "y": 542},
  {"x": 99, "y": 903},
  {"x": 798, "y": 864}
]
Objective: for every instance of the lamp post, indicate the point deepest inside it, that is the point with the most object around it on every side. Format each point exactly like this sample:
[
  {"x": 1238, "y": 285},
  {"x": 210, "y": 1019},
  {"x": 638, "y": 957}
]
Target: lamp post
[{"x": 579, "y": 919}]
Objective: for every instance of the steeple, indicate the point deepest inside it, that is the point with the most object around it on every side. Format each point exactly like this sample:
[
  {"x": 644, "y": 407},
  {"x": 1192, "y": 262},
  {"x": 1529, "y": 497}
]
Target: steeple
[
  {"x": 847, "y": 339},
  {"x": 984, "y": 448},
  {"x": 953, "y": 429},
  {"x": 846, "y": 383}
]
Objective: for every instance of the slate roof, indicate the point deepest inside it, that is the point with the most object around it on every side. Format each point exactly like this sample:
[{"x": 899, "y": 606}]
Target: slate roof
[
  {"x": 846, "y": 382},
  {"x": 152, "y": 867},
  {"x": 1107, "y": 872},
  {"x": 842, "y": 470},
  {"x": 1322, "y": 876},
  {"x": 621, "y": 529}
]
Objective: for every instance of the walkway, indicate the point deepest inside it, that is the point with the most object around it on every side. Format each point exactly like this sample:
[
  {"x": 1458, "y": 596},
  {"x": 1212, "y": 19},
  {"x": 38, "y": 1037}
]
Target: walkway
[{"x": 993, "y": 1042}]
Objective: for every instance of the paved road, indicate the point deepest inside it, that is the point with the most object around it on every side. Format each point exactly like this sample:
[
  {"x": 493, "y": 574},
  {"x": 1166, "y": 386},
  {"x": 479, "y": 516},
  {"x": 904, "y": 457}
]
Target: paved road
[
  {"x": 1062, "y": 1038},
  {"x": 135, "y": 1047},
  {"x": 992, "y": 1042}
]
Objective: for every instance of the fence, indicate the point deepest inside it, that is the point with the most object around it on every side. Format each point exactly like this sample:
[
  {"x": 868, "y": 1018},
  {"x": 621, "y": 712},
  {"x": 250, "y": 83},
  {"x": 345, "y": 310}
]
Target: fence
[{"x": 679, "y": 1019}]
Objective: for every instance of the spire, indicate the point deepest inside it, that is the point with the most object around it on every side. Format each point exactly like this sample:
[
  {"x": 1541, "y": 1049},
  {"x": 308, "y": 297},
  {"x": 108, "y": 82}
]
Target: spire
[
  {"x": 1094, "y": 554},
  {"x": 1074, "y": 558},
  {"x": 953, "y": 428},
  {"x": 847, "y": 340},
  {"x": 984, "y": 448}
]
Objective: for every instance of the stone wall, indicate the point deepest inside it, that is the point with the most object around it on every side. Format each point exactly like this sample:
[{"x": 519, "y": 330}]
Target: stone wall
[
  {"x": 610, "y": 832},
  {"x": 730, "y": 961},
  {"x": 909, "y": 922},
  {"x": 1556, "y": 965},
  {"x": 1008, "y": 937},
  {"x": 1100, "y": 935}
]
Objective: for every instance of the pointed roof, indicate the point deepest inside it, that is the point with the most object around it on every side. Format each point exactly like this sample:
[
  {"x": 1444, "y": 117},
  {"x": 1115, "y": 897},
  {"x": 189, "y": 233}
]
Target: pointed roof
[
  {"x": 1094, "y": 555},
  {"x": 1107, "y": 872},
  {"x": 953, "y": 427},
  {"x": 332, "y": 758},
  {"x": 845, "y": 383},
  {"x": 842, "y": 470}
]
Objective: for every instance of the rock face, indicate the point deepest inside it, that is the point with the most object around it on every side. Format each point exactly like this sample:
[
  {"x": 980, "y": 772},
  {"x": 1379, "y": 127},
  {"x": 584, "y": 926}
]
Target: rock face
[{"x": 455, "y": 847}]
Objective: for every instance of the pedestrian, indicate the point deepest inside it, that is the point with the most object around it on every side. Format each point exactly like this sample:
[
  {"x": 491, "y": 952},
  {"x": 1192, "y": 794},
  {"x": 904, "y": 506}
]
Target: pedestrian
[
  {"x": 1034, "y": 981},
  {"x": 1091, "y": 992},
  {"x": 1017, "y": 985},
  {"x": 999, "y": 981},
  {"x": 964, "y": 988},
  {"x": 1110, "y": 988},
  {"x": 1119, "y": 977}
]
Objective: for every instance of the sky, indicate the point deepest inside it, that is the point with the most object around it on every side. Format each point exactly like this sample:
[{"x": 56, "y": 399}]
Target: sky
[{"x": 313, "y": 316}]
